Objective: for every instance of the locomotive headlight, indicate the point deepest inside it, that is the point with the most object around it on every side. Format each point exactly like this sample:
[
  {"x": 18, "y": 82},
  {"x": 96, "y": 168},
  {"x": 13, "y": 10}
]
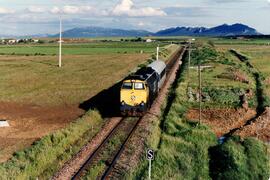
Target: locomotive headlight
[
  {"x": 142, "y": 103},
  {"x": 123, "y": 103}
]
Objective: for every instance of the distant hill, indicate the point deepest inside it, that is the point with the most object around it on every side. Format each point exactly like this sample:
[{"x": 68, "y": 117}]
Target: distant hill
[
  {"x": 92, "y": 31},
  {"x": 222, "y": 30},
  {"x": 102, "y": 32}
]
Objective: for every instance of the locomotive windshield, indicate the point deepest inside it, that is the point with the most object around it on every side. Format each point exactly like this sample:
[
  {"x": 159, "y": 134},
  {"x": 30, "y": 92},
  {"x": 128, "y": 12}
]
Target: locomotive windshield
[
  {"x": 127, "y": 85},
  {"x": 138, "y": 86},
  {"x": 131, "y": 85}
]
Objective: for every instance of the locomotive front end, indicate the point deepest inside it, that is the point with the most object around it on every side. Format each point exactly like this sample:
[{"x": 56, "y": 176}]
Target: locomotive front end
[{"x": 133, "y": 97}]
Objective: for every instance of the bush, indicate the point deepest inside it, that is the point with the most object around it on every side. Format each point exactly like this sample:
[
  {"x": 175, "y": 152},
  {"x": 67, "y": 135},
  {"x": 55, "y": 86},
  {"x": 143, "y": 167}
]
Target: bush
[{"x": 236, "y": 159}]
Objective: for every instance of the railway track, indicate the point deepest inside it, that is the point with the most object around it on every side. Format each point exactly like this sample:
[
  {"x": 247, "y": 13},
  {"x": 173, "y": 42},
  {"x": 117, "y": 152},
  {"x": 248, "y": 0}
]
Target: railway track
[
  {"x": 126, "y": 128},
  {"x": 107, "y": 152}
]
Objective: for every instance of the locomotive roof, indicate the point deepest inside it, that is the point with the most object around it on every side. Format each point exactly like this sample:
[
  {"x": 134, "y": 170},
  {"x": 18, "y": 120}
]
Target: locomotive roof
[
  {"x": 158, "y": 66},
  {"x": 141, "y": 74}
]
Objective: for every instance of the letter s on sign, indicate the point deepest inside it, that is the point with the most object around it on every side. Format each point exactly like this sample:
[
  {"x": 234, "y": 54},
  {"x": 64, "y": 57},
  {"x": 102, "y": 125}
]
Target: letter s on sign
[{"x": 150, "y": 154}]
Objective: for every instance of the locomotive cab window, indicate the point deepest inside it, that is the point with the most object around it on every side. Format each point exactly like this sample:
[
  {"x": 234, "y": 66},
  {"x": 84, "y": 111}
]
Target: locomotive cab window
[
  {"x": 138, "y": 86},
  {"x": 127, "y": 85}
]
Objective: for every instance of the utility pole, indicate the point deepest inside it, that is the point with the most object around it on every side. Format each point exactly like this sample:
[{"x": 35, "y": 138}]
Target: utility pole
[
  {"x": 200, "y": 90},
  {"x": 157, "y": 53},
  {"x": 60, "y": 44},
  {"x": 189, "y": 57}
]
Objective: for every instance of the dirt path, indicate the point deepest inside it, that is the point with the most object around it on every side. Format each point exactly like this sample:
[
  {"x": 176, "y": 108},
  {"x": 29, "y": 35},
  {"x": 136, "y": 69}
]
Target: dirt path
[{"x": 29, "y": 122}]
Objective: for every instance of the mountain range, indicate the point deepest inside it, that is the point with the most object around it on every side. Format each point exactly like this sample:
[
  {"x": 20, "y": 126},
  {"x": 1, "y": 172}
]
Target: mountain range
[
  {"x": 102, "y": 32},
  {"x": 222, "y": 30},
  {"x": 92, "y": 31}
]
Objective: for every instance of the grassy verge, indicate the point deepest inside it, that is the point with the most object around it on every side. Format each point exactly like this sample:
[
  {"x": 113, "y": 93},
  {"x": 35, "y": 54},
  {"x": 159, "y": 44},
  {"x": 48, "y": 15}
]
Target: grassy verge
[
  {"x": 42, "y": 155},
  {"x": 239, "y": 159},
  {"x": 262, "y": 98},
  {"x": 183, "y": 151}
]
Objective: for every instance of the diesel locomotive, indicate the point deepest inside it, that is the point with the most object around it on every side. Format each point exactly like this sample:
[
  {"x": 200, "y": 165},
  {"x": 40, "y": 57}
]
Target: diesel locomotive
[{"x": 140, "y": 89}]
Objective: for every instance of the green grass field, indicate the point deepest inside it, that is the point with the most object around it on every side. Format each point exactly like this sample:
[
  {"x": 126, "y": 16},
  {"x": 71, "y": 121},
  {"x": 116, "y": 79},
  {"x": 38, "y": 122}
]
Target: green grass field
[
  {"x": 78, "y": 49},
  {"x": 31, "y": 74},
  {"x": 259, "y": 57},
  {"x": 38, "y": 80}
]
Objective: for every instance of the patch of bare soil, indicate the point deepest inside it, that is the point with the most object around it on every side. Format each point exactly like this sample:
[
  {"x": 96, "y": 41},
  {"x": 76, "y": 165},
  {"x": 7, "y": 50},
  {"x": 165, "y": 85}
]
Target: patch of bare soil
[
  {"x": 259, "y": 128},
  {"x": 235, "y": 75},
  {"x": 221, "y": 121},
  {"x": 29, "y": 123}
]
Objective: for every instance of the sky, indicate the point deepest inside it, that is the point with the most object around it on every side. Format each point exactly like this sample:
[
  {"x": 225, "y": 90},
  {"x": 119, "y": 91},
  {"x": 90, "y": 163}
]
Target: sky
[{"x": 31, "y": 17}]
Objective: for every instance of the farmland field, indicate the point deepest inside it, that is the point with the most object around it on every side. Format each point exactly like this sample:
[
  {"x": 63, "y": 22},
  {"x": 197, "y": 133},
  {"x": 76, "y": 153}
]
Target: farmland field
[{"x": 37, "y": 97}]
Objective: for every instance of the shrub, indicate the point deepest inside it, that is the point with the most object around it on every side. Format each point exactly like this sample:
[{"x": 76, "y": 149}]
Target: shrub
[{"x": 236, "y": 159}]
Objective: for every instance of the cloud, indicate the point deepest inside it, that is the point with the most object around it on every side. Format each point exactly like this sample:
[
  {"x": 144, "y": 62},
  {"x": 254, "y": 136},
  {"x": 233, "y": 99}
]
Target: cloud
[
  {"x": 229, "y": 1},
  {"x": 71, "y": 9},
  {"x": 182, "y": 11},
  {"x": 55, "y": 10},
  {"x": 126, "y": 7},
  {"x": 89, "y": 10},
  {"x": 141, "y": 24},
  {"x": 35, "y": 9},
  {"x": 6, "y": 11}
]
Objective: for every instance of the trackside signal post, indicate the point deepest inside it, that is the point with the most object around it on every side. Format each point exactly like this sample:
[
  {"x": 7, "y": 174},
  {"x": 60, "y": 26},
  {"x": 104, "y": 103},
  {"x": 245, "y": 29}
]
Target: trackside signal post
[{"x": 150, "y": 157}]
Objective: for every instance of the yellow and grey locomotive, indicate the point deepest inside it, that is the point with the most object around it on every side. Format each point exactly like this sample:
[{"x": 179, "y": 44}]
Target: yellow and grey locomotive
[{"x": 139, "y": 90}]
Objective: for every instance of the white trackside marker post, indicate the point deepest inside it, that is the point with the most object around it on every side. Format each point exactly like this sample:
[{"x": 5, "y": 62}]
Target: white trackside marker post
[
  {"x": 60, "y": 44},
  {"x": 150, "y": 157}
]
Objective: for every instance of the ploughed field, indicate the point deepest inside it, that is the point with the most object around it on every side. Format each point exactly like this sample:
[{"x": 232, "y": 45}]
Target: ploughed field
[{"x": 38, "y": 98}]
